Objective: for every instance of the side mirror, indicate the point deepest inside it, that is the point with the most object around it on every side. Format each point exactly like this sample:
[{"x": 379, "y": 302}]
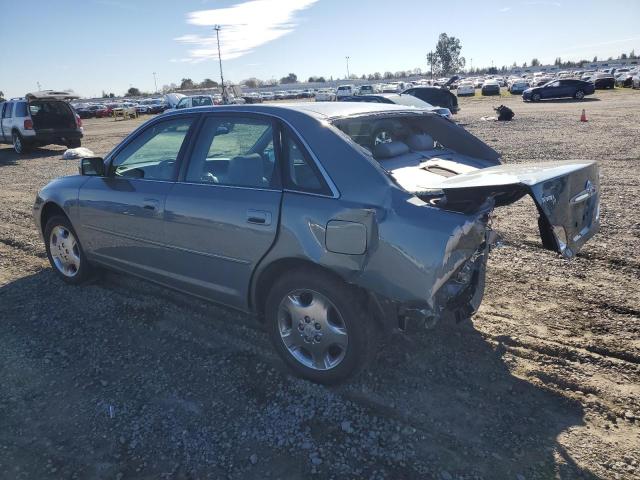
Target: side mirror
[{"x": 93, "y": 166}]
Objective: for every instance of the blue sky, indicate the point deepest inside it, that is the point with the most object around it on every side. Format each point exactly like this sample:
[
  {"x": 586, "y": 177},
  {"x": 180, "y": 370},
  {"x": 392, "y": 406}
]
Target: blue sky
[{"x": 95, "y": 45}]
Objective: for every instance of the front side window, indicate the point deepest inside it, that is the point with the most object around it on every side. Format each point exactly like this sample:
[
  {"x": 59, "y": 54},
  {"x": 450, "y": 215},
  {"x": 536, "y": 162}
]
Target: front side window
[
  {"x": 234, "y": 151},
  {"x": 182, "y": 103},
  {"x": 152, "y": 155},
  {"x": 9, "y": 110},
  {"x": 300, "y": 172}
]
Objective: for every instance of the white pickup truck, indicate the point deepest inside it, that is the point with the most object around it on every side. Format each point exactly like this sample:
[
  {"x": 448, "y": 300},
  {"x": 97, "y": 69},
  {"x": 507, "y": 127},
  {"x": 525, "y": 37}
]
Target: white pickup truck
[{"x": 40, "y": 118}]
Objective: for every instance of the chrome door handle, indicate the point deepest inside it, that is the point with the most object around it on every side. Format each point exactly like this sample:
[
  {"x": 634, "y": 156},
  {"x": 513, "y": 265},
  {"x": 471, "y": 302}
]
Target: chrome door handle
[{"x": 258, "y": 217}]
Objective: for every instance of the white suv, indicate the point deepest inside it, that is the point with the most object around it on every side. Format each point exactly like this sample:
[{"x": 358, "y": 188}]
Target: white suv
[
  {"x": 38, "y": 119},
  {"x": 345, "y": 91}
]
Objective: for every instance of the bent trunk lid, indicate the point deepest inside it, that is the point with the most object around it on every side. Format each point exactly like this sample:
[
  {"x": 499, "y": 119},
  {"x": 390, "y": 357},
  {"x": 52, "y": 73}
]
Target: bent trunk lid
[{"x": 567, "y": 195}]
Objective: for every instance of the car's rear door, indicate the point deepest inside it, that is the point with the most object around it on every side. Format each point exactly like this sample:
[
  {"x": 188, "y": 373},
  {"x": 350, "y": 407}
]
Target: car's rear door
[
  {"x": 222, "y": 216},
  {"x": 122, "y": 214}
]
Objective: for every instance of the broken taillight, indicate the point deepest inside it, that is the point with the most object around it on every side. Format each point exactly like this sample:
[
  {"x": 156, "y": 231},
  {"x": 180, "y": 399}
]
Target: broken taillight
[{"x": 28, "y": 124}]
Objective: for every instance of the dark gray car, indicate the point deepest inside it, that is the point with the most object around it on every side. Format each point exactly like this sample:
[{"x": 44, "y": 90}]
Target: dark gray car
[{"x": 333, "y": 222}]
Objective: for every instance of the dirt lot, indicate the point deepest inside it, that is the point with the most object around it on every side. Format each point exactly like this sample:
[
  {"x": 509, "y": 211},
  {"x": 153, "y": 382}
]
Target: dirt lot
[{"x": 122, "y": 379}]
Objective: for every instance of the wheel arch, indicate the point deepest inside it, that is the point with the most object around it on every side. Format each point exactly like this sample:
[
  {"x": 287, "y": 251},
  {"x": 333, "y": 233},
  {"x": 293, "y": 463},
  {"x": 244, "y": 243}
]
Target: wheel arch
[
  {"x": 50, "y": 209},
  {"x": 272, "y": 272}
]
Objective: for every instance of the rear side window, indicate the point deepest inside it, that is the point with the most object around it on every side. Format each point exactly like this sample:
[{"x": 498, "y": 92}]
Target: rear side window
[
  {"x": 300, "y": 172},
  {"x": 234, "y": 151},
  {"x": 21, "y": 109}
]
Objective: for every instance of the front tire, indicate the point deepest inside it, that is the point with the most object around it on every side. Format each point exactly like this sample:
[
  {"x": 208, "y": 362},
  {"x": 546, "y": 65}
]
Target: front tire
[
  {"x": 64, "y": 251},
  {"x": 535, "y": 97},
  {"x": 579, "y": 95},
  {"x": 319, "y": 326}
]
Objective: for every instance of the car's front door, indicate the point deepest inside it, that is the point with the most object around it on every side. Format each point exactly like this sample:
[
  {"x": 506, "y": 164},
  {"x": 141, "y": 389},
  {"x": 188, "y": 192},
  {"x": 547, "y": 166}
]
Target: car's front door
[
  {"x": 122, "y": 214},
  {"x": 222, "y": 217},
  {"x": 552, "y": 90}
]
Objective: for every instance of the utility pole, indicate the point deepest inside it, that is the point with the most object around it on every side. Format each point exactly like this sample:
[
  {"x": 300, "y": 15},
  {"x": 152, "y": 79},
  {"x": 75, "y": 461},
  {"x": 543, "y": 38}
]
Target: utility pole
[
  {"x": 155, "y": 83},
  {"x": 348, "y": 75},
  {"x": 38, "y": 83},
  {"x": 224, "y": 93},
  {"x": 471, "y": 65}
]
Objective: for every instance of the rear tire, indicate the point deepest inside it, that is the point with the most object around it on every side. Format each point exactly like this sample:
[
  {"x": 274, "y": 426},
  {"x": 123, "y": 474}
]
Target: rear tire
[
  {"x": 320, "y": 326},
  {"x": 64, "y": 251},
  {"x": 75, "y": 143},
  {"x": 19, "y": 144},
  {"x": 579, "y": 95}
]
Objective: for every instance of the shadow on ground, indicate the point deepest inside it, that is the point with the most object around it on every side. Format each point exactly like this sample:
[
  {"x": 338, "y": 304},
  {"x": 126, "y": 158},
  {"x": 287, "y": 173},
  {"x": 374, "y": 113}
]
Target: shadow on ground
[{"x": 120, "y": 377}]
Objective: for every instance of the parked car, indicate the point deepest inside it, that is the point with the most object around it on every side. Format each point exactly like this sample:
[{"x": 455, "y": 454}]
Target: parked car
[
  {"x": 345, "y": 91},
  {"x": 156, "y": 105},
  {"x": 40, "y": 118},
  {"x": 366, "y": 90},
  {"x": 635, "y": 81},
  {"x": 518, "y": 86},
  {"x": 92, "y": 111},
  {"x": 326, "y": 95},
  {"x": 399, "y": 99},
  {"x": 490, "y": 87},
  {"x": 623, "y": 79},
  {"x": 566, "y": 88},
  {"x": 478, "y": 82},
  {"x": 266, "y": 96},
  {"x": 252, "y": 97},
  {"x": 193, "y": 101},
  {"x": 274, "y": 212},
  {"x": 436, "y": 96},
  {"x": 466, "y": 89},
  {"x": 603, "y": 81}
]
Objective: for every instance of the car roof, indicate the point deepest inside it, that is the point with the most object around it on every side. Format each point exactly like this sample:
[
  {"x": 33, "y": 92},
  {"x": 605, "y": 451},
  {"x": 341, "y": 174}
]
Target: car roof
[{"x": 319, "y": 110}]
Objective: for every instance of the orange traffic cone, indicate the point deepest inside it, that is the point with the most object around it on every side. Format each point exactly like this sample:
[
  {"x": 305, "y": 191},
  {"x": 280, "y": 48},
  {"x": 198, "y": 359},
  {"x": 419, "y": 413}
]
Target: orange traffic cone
[{"x": 583, "y": 117}]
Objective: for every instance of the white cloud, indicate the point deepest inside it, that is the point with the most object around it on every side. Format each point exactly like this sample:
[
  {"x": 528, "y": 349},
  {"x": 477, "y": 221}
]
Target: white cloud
[
  {"x": 504, "y": 9},
  {"x": 245, "y": 26}
]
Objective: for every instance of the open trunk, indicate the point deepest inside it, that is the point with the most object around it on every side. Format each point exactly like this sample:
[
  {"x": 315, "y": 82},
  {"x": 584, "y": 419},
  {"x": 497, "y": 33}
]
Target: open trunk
[
  {"x": 50, "y": 115},
  {"x": 447, "y": 167},
  {"x": 565, "y": 193}
]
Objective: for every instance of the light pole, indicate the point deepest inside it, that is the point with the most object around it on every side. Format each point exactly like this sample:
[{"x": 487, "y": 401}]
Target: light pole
[
  {"x": 155, "y": 83},
  {"x": 224, "y": 94},
  {"x": 348, "y": 75}
]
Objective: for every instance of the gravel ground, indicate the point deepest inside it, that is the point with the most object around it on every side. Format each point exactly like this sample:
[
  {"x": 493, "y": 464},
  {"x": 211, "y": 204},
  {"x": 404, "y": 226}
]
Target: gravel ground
[{"x": 122, "y": 379}]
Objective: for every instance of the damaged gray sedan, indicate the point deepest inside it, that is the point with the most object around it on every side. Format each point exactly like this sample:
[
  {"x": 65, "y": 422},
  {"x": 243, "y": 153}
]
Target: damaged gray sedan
[{"x": 332, "y": 222}]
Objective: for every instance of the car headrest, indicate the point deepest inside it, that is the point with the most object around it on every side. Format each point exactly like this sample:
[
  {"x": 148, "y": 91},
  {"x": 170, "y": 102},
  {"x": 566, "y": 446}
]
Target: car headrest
[
  {"x": 246, "y": 171},
  {"x": 389, "y": 150},
  {"x": 420, "y": 141}
]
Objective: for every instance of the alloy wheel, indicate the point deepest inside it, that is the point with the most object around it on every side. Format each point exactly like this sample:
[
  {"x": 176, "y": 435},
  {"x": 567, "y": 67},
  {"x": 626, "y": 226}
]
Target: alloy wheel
[
  {"x": 65, "y": 251},
  {"x": 312, "y": 329},
  {"x": 17, "y": 143}
]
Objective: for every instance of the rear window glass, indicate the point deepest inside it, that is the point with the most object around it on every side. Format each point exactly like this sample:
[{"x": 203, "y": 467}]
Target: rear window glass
[{"x": 39, "y": 108}]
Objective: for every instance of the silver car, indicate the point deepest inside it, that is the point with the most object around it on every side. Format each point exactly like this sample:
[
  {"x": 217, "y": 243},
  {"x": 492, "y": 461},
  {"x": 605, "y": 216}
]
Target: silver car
[{"x": 334, "y": 223}]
